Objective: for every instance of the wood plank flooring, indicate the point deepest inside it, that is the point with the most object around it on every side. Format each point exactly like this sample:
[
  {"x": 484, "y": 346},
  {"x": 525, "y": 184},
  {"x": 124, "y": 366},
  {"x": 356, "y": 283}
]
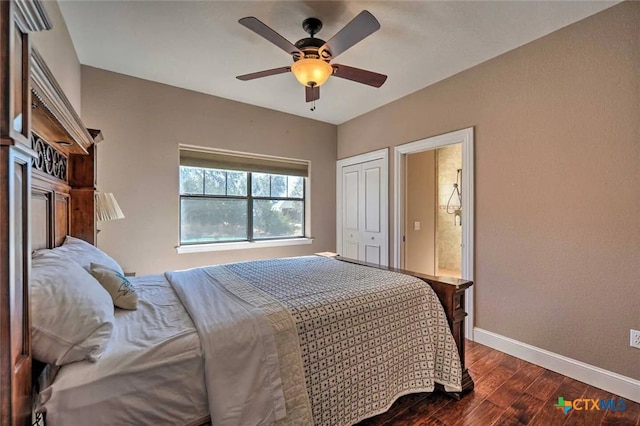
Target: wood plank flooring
[{"x": 508, "y": 391}]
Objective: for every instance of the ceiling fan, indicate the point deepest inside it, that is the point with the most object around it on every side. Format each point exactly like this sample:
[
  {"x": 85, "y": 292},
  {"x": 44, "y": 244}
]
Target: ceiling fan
[{"x": 312, "y": 55}]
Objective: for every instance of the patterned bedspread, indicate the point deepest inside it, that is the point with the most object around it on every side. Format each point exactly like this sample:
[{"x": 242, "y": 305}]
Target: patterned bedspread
[{"x": 367, "y": 336}]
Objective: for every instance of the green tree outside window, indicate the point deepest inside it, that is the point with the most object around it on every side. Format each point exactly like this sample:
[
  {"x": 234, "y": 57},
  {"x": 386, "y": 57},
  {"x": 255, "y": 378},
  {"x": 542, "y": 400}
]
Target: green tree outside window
[{"x": 217, "y": 206}]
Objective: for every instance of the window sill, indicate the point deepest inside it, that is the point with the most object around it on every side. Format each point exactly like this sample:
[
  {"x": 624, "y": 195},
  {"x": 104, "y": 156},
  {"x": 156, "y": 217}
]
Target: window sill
[{"x": 244, "y": 245}]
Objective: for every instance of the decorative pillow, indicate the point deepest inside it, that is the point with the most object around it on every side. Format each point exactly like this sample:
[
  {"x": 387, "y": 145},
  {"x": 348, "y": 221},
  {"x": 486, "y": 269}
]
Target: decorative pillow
[
  {"x": 117, "y": 285},
  {"x": 71, "y": 314},
  {"x": 85, "y": 253}
]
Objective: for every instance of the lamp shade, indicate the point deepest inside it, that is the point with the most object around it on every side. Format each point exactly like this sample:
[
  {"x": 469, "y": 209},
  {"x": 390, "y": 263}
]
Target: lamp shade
[
  {"x": 107, "y": 207},
  {"x": 311, "y": 72}
]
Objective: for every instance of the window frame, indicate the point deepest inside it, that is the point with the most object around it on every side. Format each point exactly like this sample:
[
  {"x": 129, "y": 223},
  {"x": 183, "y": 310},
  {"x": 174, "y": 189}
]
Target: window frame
[{"x": 249, "y": 197}]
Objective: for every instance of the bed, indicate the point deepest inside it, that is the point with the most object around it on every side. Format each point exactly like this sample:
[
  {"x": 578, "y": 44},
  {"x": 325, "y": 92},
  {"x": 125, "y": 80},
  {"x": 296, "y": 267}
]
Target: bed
[
  {"x": 403, "y": 331},
  {"x": 307, "y": 340},
  {"x": 155, "y": 350}
]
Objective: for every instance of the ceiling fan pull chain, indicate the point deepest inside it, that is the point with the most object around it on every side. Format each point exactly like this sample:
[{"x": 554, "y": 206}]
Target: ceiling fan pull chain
[{"x": 313, "y": 106}]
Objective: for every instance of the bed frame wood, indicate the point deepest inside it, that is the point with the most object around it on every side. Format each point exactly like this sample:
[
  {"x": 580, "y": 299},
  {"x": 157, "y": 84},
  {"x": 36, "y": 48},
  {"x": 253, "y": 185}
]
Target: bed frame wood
[
  {"x": 38, "y": 205},
  {"x": 451, "y": 292}
]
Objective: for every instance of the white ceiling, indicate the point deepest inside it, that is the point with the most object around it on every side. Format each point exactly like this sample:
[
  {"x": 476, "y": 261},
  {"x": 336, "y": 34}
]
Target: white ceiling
[{"x": 199, "y": 45}]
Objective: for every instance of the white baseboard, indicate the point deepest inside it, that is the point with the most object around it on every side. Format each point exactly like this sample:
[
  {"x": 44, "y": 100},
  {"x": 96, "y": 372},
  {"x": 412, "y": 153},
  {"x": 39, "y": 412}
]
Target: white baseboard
[{"x": 615, "y": 383}]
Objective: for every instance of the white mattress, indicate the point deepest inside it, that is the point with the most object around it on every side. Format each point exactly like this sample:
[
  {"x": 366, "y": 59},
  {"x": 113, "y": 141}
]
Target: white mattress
[{"x": 151, "y": 373}]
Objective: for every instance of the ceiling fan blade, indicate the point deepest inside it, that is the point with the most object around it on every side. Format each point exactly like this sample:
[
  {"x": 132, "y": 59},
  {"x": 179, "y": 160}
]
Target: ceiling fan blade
[
  {"x": 265, "y": 73},
  {"x": 359, "y": 75},
  {"x": 360, "y": 27},
  {"x": 260, "y": 28},
  {"x": 312, "y": 93}
]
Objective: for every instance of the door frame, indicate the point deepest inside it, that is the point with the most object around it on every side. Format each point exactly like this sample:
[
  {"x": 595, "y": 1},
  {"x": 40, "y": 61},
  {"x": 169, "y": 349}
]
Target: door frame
[
  {"x": 381, "y": 154},
  {"x": 464, "y": 137}
]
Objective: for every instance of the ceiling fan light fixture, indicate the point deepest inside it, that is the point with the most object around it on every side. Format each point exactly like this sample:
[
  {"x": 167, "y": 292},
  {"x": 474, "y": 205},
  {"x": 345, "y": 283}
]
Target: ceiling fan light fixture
[{"x": 311, "y": 71}]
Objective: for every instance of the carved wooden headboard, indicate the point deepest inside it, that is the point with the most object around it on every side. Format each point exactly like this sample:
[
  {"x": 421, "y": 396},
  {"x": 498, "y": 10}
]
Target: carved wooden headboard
[
  {"x": 47, "y": 186},
  {"x": 63, "y": 173}
]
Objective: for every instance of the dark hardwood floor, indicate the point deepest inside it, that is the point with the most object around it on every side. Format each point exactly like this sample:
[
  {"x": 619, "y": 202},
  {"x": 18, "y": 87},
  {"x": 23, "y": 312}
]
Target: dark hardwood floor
[{"x": 508, "y": 391}]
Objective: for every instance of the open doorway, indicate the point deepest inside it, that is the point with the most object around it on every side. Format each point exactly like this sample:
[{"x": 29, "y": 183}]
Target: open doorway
[
  {"x": 433, "y": 209},
  {"x": 455, "y": 254}
]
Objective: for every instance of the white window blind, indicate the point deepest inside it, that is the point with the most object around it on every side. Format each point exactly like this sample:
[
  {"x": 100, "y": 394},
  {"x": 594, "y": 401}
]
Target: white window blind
[{"x": 244, "y": 162}]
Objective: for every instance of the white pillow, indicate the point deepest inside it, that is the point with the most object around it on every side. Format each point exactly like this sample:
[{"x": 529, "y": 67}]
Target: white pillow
[
  {"x": 84, "y": 253},
  {"x": 71, "y": 313},
  {"x": 117, "y": 285}
]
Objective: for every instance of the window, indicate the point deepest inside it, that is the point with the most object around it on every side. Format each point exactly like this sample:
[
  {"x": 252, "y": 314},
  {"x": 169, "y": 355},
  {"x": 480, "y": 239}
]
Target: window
[{"x": 222, "y": 204}]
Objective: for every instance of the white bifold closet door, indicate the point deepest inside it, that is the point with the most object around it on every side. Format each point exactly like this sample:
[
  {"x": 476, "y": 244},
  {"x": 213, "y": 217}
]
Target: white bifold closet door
[{"x": 365, "y": 212}]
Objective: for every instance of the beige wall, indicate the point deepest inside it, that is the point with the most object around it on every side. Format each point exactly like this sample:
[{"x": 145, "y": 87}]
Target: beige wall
[
  {"x": 557, "y": 149},
  {"x": 143, "y": 122},
  {"x": 419, "y": 253},
  {"x": 57, "y": 49}
]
